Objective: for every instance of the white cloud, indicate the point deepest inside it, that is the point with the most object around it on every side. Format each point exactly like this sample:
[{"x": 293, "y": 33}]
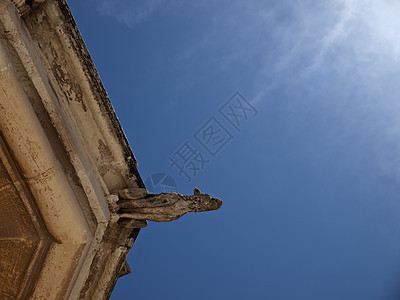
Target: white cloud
[
  {"x": 339, "y": 31},
  {"x": 349, "y": 36},
  {"x": 291, "y": 39},
  {"x": 127, "y": 12}
]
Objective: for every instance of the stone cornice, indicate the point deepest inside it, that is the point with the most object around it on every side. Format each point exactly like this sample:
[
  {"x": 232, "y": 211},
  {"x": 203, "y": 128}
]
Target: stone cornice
[
  {"x": 96, "y": 85},
  {"x": 62, "y": 132},
  {"x": 24, "y": 6}
]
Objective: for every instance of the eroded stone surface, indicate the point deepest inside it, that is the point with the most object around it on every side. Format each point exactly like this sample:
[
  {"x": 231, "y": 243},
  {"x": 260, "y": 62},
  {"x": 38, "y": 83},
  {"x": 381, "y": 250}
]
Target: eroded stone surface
[
  {"x": 24, "y": 6},
  {"x": 135, "y": 206},
  {"x": 69, "y": 148},
  {"x": 23, "y": 239}
]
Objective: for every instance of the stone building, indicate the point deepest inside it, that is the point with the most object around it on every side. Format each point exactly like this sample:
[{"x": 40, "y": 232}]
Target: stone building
[{"x": 63, "y": 155}]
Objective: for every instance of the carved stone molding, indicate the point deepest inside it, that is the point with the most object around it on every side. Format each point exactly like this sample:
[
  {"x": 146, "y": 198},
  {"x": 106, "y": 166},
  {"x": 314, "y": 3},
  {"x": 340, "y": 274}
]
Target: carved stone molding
[
  {"x": 72, "y": 201},
  {"x": 24, "y": 6},
  {"x": 24, "y": 240}
]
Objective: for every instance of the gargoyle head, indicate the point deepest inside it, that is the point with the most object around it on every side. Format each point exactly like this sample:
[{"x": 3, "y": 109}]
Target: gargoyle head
[{"x": 204, "y": 202}]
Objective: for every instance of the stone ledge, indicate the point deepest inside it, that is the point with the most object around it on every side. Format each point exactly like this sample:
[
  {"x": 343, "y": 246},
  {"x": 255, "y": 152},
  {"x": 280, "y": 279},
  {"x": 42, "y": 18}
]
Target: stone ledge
[
  {"x": 63, "y": 97},
  {"x": 24, "y": 6}
]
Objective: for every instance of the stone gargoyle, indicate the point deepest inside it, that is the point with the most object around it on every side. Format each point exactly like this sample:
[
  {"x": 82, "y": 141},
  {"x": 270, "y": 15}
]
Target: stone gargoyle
[{"x": 133, "y": 207}]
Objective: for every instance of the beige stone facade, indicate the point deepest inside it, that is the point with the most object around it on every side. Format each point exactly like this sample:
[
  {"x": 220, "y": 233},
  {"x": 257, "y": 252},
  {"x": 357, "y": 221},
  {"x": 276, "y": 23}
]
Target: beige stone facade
[
  {"x": 71, "y": 199},
  {"x": 62, "y": 154}
]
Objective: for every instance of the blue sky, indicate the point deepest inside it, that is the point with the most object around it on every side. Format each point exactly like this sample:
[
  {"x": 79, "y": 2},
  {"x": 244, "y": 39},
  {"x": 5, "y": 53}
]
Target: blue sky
[{"x": 310, "y": 182}]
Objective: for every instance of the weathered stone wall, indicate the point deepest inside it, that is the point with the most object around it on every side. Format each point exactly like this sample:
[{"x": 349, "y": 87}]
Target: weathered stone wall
[{"x": 69, "y": 151}]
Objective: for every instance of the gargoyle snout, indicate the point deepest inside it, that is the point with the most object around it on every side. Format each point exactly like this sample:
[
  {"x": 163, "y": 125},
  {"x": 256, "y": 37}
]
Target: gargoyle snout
[{"x": 217, "y": 203}]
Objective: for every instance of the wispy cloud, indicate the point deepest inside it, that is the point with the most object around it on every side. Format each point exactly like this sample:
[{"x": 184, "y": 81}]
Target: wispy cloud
[
  {"x": 338, "y": 32},
  {"x": 127, "y": 12},
  {"x": 282, "y": 43},
  {"x": 355, "y": 36},
  {"x": 296, "y": 44}
]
